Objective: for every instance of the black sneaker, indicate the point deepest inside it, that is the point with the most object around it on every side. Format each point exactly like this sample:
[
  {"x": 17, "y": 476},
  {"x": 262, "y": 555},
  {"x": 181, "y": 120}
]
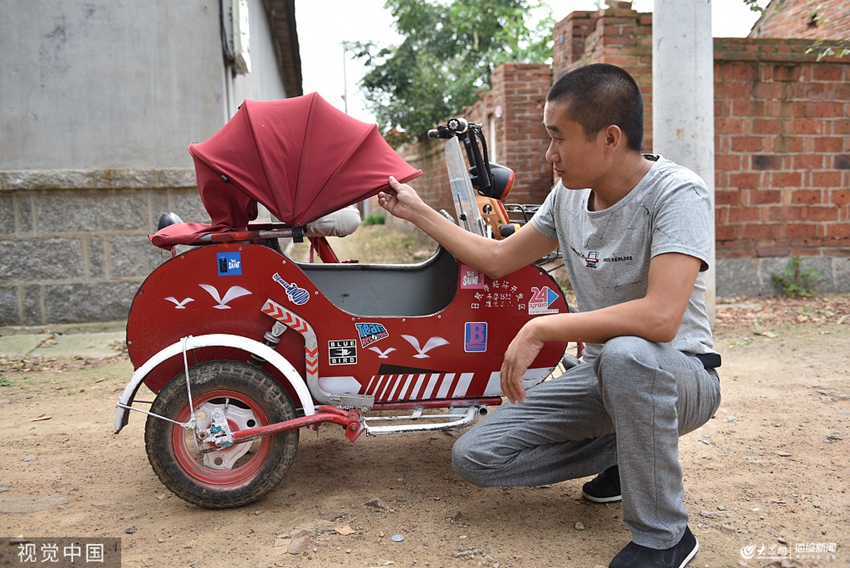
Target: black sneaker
[
  {"x": 605, "y": 487},
  {"x": 636, "y": 556}
]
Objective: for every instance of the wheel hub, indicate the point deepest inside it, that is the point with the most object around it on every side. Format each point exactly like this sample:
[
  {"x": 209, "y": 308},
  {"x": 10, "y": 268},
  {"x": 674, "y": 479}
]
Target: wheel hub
[{"x": 215, "y": 424}]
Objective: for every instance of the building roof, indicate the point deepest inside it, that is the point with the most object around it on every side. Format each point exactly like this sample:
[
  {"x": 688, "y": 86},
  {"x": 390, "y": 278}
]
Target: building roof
[{"x": 281, "y": 14}]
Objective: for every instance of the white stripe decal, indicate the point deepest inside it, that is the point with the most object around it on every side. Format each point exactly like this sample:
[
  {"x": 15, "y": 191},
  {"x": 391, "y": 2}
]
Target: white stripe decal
[
  {"x": 396, "y": 383},
  {"x": 417, "y": 386},
  {"x": 432, "y": 382},
  {"x": 494, "y": 385},
  {"x": 463, "y": 385},
  {"x": 386, "y": 386},
  {"x": 402, "y": 394},
  {"x": 445, "y": 385}
]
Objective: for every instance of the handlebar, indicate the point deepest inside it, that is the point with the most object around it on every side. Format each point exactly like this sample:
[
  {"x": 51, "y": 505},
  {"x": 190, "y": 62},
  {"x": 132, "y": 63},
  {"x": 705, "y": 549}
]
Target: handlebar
[{"x": 469, "y": 133}]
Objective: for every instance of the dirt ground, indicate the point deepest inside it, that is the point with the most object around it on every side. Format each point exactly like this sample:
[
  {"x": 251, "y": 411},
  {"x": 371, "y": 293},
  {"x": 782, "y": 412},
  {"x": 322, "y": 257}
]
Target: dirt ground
[{"x": 765, "y": 480}]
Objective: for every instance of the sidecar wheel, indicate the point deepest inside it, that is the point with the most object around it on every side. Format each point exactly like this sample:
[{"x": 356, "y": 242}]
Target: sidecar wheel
[{"x": 237, "y": 475}]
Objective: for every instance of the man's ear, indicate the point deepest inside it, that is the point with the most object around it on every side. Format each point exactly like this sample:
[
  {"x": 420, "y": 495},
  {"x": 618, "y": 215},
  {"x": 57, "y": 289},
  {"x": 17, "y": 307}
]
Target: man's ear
[{"x": 613, "y": 138}]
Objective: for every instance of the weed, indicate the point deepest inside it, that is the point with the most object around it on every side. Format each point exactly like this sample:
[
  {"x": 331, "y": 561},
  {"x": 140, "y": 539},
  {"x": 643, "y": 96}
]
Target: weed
[
  {"x": 796, "y": 282},
  {"x": 373, "y": 219}
]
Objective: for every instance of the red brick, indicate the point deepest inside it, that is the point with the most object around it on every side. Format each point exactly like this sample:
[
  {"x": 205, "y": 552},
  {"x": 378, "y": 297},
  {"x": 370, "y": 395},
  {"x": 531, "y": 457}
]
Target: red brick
[
  {"x": 766, "y": 162},
  {"x": 767, "y": 126},
  {"x": 744, "y": 214},
  {"x": 748, "y": 144},
  {"x": 759, "y": 231},
  {"x": 727, "y": 197},
  {"x": 767, "y": 252},
  {"x": 785, "y": 179},
  {"x": 768, "y": 91},
  {"x": 827, "y": 73},
  {"x": 826, "y": 179},
  {"x": 807, "y": 162},
  {"x": 789, "y": 144},
  {"x": 806, "y": 196},
  {"x": 741, "y": 107},
  {"x": 830, "y": 109},
  {"x": 724, "y": 233},
  {"x": 783, "y": 213},
  {"x": 839, "y": 196},
  {"x": 830, "y": 145},
  {"x": 842, "y": 162},
  {"x": 745, "y": 180},
  {"x": 801, "y": 230},
  {"x": 727, "y": 162},
  {"x": 807, "y": 126},
  {"x": 805, "y": 109},
  {"x": 809, "y": 91},
  {"x": 821, "y": 213},
  {"x": 763, "y": 196},
  {"x": 729, "y": 126},
  {"x": 838, "y": 231}
]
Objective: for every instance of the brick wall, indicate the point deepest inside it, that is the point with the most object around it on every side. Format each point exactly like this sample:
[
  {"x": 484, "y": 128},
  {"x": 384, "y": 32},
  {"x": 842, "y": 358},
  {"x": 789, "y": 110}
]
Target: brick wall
[
  {"x": 782, "y": 162},
  {"x": 511, "y": 115},
  {"x": 782, "y": 154},
  {"x": 804, "y": 19}
]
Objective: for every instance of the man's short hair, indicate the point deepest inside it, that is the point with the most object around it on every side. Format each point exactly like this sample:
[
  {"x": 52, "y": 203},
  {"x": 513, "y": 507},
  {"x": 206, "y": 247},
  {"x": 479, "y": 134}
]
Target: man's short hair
[{"x": 600, "y": 95}]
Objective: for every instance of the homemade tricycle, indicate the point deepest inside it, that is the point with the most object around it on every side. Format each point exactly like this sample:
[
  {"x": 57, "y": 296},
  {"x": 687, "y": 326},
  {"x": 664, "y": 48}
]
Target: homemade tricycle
[{"x": 244, "y": 346}]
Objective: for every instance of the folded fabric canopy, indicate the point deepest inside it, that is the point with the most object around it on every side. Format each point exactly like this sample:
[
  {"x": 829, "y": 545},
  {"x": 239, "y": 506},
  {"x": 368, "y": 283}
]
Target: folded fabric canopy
[{"x": 301, "y": 158}]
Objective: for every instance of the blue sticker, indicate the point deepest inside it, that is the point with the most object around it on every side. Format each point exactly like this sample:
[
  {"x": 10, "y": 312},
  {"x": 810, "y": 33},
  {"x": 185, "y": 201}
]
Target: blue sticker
[
  {"x": 298, "y": 296},
  {"x": 229, "y": 263},
  {"x": 371, "y": 332},
  {"x": 475, "y": 337}
]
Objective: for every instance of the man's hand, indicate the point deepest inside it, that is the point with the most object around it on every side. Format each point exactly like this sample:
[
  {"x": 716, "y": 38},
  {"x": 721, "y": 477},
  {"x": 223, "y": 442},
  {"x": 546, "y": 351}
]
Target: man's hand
[
  {"x": 401, "y": 200},
  {"x": 518, "y": 358}
]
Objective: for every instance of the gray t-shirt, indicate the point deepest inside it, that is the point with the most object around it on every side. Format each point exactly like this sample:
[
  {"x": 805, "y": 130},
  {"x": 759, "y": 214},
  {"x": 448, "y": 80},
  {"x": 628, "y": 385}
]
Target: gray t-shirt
[{"x": 607, "y": 253}]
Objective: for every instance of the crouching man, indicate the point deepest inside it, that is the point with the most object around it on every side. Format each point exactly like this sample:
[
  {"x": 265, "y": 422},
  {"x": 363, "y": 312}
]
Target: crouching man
[{"x": 648, "y": 372}]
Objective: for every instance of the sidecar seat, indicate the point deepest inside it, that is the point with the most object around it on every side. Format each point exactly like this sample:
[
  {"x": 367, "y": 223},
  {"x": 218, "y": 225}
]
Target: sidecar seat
[{"x": 340, "y": 223}]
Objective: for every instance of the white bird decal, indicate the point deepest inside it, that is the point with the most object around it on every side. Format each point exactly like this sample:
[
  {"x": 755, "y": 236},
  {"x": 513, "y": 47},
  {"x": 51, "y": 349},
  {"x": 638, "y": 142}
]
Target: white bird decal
[
  {"x": 382, "y": 354},
  {"x": 232, "y": 293},
  {"x": 429, "y": 345},
  {"x": 180, "y": 305}
]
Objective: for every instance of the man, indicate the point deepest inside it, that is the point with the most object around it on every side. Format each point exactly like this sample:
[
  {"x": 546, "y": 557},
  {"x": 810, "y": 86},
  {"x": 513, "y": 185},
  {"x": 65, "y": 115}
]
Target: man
[{"x": 647, "y": 374}]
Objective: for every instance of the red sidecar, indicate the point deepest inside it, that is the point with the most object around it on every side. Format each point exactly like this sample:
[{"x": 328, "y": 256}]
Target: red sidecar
[{"x": 244, "y": 346}]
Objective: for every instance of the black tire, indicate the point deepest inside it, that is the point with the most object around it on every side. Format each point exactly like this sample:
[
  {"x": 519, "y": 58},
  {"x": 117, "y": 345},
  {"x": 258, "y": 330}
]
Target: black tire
[{"x": 245, "y": 393}]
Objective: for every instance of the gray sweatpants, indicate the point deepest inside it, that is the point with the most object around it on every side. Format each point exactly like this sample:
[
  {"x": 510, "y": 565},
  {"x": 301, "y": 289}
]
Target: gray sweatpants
[{"x": 628, "y": 407}]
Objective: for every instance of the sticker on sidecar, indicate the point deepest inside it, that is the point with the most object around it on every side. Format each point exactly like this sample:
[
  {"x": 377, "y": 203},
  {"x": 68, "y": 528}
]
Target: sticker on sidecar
[
  {"x": 475, "y": 337},
  {"x": 229, "y": 263},
  {"x": 296, "y": 295},
  {"x": 342, "y": 352},
  {"x": 470, "y": 278},
  {"x": 370, "y": 333},
  {"x": 541, "y": 299}
]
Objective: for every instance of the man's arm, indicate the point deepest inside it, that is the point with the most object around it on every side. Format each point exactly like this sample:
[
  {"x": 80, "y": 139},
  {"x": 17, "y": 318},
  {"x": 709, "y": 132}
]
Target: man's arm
[
  {"x": 494, "y": 258},
  {"x": 655, "y": 317}
]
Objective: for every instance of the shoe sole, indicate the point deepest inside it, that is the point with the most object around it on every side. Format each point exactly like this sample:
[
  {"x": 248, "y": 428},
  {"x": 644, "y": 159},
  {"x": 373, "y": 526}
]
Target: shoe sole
[
  {"x": 691, "y": 555},
  {"x": 613, "y": 499}
]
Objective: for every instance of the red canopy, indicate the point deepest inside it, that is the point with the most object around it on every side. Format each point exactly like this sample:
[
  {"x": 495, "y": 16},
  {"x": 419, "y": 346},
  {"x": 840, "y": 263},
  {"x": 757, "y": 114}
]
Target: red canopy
[{"x": 301, "y": 157}]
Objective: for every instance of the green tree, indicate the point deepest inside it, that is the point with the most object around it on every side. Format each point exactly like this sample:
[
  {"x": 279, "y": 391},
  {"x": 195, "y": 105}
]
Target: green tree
[{"x": 449, "y": 51}]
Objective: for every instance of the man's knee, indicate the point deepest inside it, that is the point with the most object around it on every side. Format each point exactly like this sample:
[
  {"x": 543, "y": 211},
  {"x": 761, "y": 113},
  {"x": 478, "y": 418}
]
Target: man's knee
[
  {"x": 465, "y": 462},
  {"x": 621, "y": 359}
]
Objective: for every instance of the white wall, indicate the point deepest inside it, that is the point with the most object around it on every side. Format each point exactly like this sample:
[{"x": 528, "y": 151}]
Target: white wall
[{"x": 105, "y": 84}]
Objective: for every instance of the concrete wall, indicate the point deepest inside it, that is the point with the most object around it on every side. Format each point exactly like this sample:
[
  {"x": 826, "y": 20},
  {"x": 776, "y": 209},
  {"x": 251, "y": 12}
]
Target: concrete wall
[{"x": 100, "y": 100}]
